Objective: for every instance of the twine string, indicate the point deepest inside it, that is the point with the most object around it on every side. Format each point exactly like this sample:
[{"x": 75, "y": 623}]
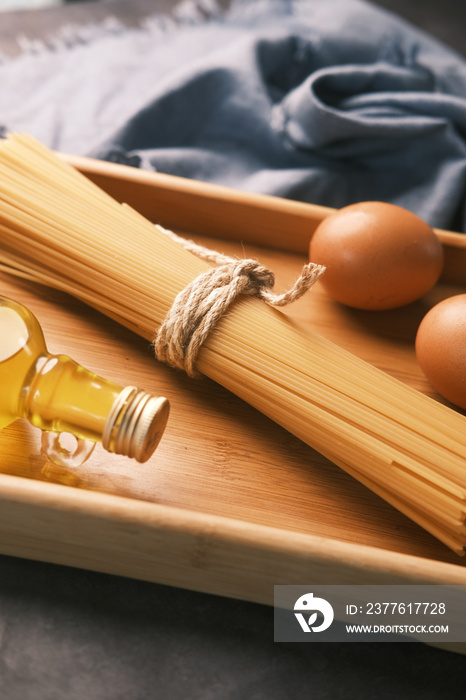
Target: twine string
[{"x": 200, "y": 305}]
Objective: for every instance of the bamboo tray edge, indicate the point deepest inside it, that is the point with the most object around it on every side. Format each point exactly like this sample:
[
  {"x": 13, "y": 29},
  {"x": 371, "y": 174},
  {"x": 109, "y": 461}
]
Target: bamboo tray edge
[
  {"x": 183, "y": 548},
  {"x": 236, "y": 215}
]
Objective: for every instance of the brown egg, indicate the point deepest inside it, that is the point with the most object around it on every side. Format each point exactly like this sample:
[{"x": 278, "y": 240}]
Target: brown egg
[
  {"x": 441, "y": 348},
  {"x": 377, "y": 255}
]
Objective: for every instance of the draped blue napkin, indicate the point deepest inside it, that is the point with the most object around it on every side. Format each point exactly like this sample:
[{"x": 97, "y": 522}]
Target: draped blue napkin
[{"x": 324, "y": 101}]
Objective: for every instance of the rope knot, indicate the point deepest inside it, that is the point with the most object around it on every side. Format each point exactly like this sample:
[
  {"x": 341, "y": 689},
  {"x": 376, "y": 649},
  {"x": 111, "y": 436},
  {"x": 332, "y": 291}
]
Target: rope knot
[
  {"x": 251, "y": 276},
  {"x": 199, "y": 306}
]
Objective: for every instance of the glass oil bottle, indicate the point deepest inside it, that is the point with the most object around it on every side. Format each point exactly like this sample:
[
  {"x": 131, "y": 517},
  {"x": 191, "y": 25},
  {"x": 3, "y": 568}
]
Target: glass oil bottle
[{"x": 57, "y": 395}]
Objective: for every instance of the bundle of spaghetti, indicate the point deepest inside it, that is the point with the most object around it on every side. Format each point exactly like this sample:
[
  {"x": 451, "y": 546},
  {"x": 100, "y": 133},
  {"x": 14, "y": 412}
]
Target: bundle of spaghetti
[{"x": 58, "y": 228}]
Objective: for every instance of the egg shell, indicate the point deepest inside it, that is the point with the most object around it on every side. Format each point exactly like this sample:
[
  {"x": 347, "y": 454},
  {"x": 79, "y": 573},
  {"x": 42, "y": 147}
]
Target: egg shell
[
  {"x": 441, "y": 348},
  {"x": 377, "y": 255}
]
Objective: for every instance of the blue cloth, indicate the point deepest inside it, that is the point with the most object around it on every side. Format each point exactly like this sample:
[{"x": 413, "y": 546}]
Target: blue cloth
[{"x": 324, "y": 101}]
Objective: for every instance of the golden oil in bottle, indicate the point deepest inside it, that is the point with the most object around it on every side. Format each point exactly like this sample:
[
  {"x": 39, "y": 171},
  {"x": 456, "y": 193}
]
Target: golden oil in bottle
[{"x": 58, "y": 395}]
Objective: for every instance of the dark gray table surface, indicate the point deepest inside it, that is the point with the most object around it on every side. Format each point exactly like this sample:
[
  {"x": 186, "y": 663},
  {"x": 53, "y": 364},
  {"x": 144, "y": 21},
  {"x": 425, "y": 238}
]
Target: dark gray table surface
[{"x": 78, "y": 635}]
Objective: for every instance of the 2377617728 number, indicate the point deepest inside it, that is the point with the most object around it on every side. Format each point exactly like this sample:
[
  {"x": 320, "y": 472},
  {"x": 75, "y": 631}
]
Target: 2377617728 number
[{"x": 405, "y": 608}]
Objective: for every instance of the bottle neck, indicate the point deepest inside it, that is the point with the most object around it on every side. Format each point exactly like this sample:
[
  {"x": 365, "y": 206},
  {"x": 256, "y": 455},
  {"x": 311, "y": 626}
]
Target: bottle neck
[{"x": 64, "y": 397}]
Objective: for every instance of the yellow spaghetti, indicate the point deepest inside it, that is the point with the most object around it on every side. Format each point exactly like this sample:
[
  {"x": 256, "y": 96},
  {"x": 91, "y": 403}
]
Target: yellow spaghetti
[{"x": 58, "y": 228}]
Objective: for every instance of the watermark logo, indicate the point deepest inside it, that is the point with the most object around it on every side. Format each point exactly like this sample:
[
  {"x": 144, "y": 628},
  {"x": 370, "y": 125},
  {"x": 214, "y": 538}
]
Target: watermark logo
[
  {"x": 307, "y": 603},
  {"x": 375, "y": 613}
]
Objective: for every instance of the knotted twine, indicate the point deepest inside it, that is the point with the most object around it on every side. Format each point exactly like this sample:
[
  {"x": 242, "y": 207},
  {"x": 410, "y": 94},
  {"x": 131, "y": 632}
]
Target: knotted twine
[{"x": 200, "y": 305}]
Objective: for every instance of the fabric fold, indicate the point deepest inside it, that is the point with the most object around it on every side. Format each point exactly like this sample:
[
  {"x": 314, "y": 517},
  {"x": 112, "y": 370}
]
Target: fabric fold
[{"x": 323, "y": 101}]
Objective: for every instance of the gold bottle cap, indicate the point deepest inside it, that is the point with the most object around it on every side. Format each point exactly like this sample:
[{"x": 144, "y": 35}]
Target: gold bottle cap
[{"x": 135, "y": 424}]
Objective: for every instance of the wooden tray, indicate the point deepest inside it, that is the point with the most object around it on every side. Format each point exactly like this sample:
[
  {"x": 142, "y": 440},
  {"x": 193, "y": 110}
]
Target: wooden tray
[{"x": 230, "y": 503}]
